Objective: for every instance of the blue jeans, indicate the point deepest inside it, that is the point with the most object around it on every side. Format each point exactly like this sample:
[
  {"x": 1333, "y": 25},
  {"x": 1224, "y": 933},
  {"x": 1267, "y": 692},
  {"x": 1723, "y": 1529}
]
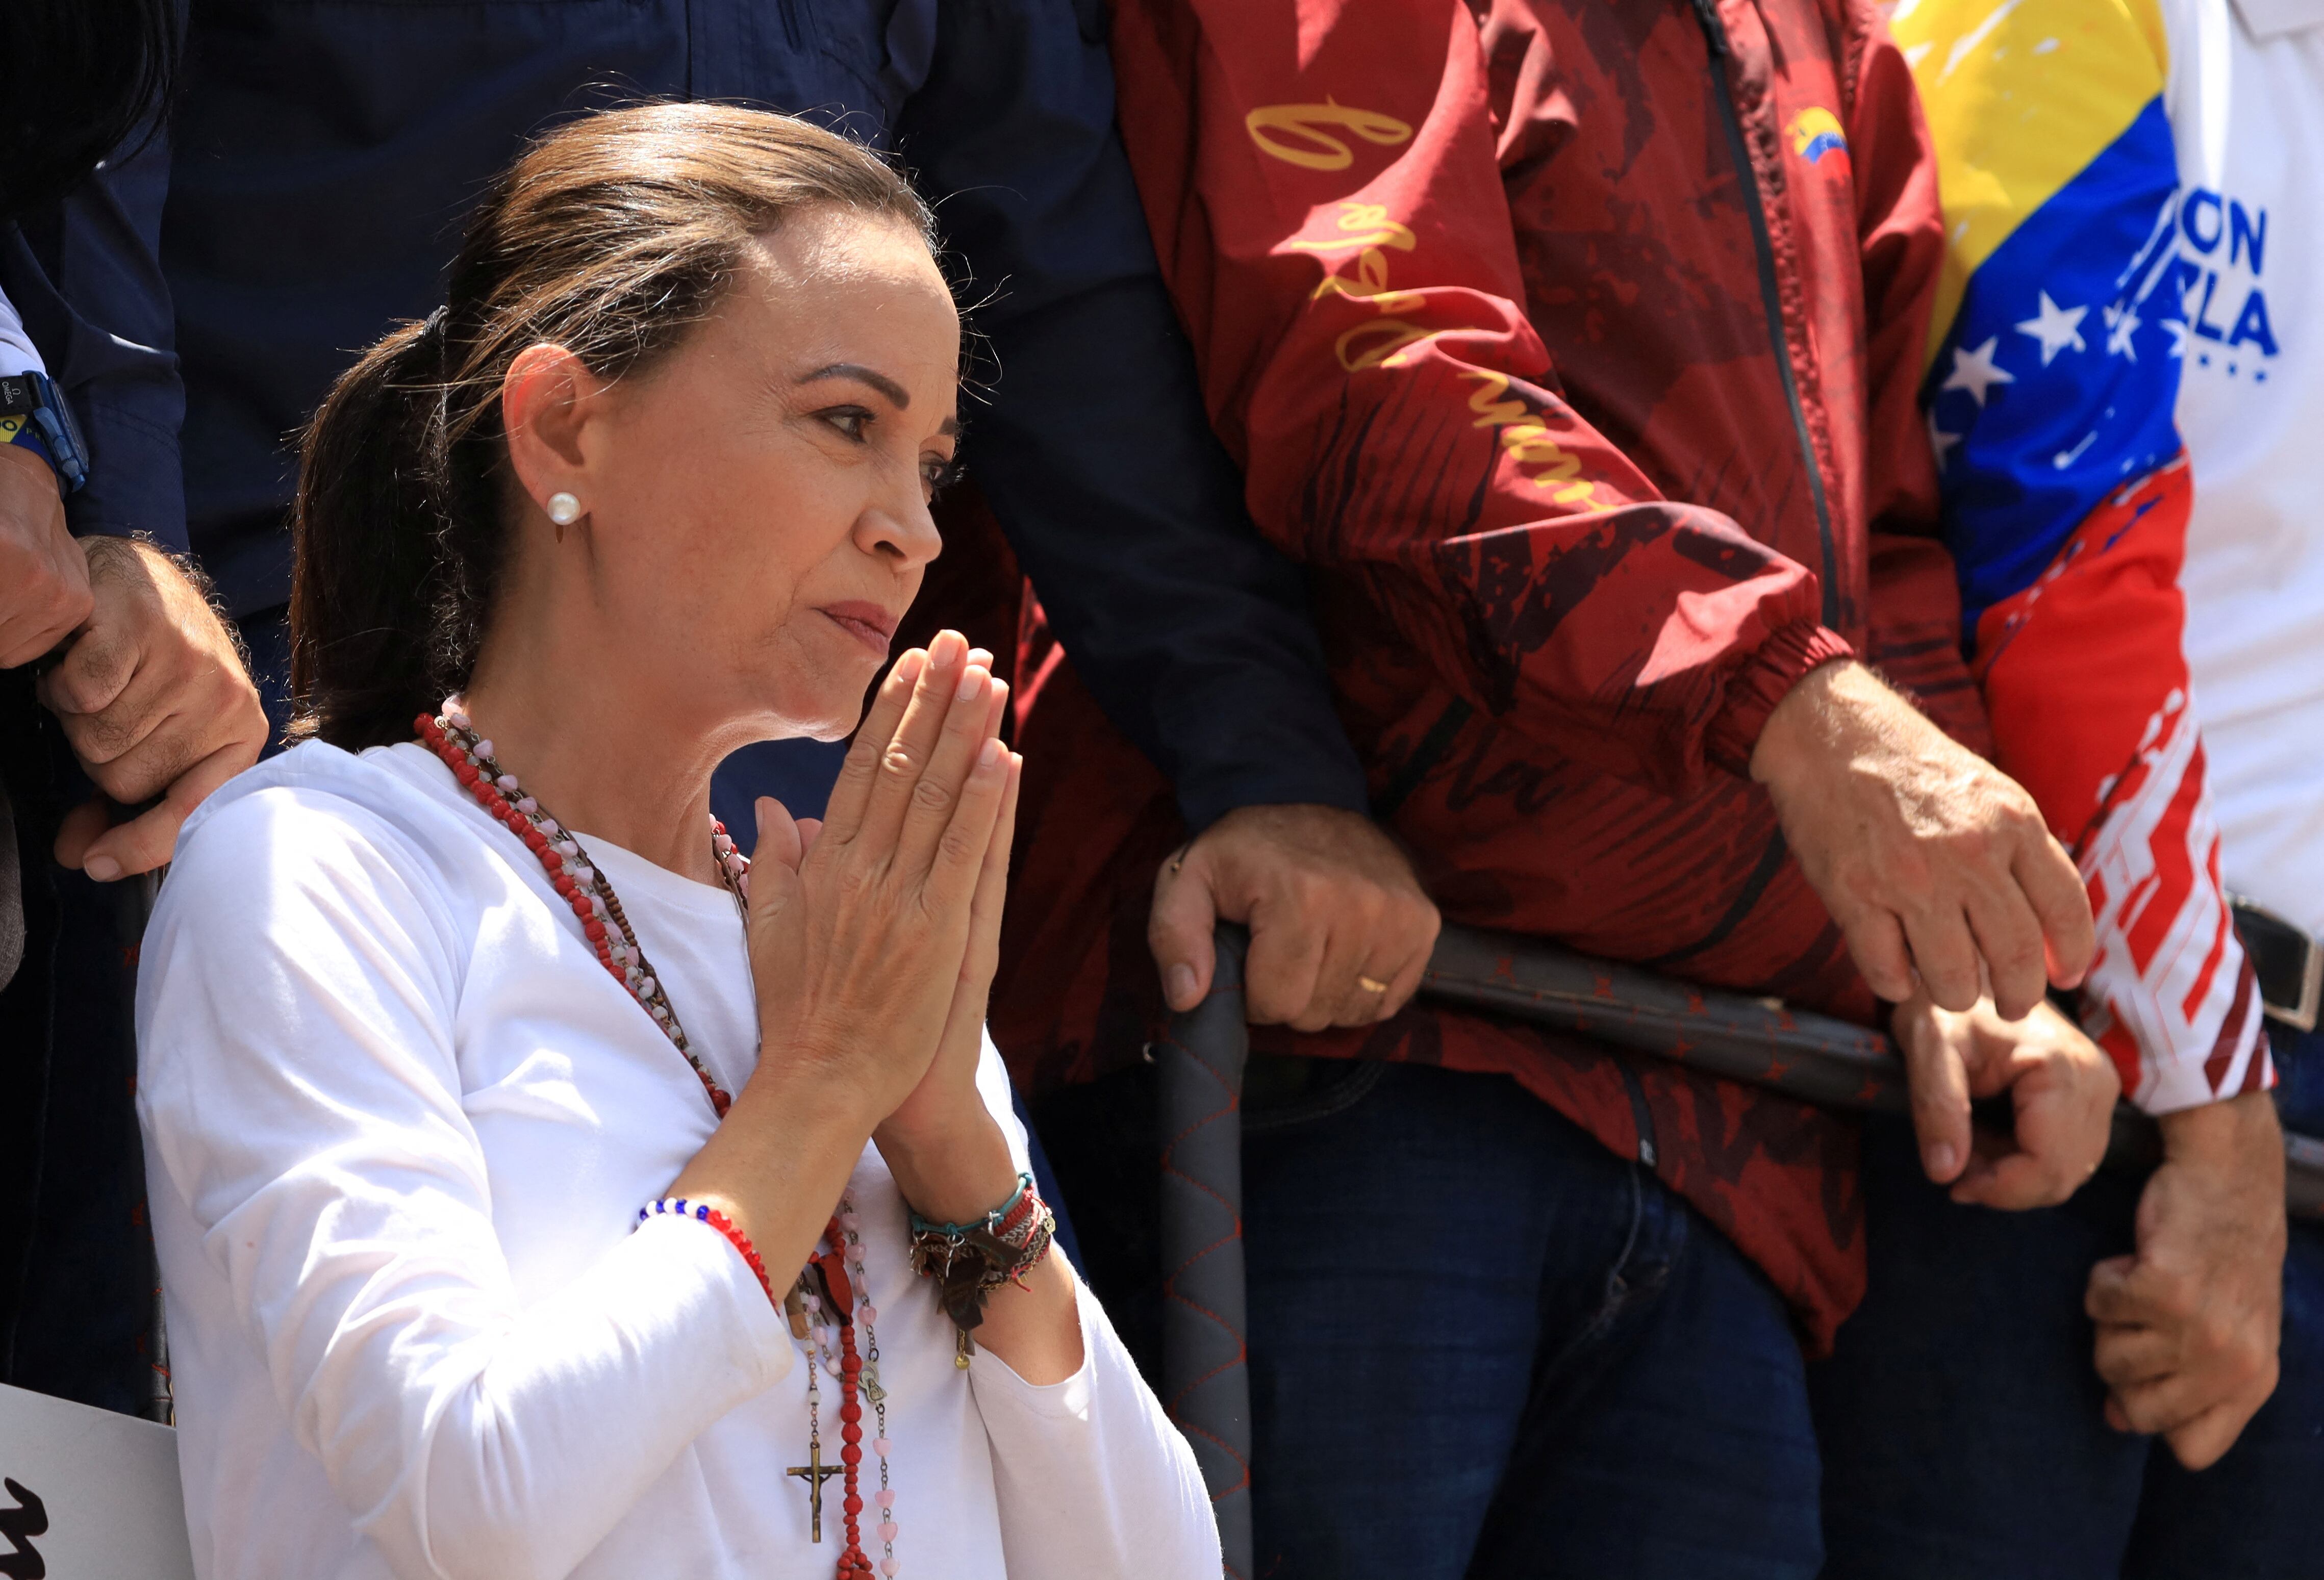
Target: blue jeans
[
  {"x": 1959, "y": 1416},
  {"x": 1483, "y": 1345}
]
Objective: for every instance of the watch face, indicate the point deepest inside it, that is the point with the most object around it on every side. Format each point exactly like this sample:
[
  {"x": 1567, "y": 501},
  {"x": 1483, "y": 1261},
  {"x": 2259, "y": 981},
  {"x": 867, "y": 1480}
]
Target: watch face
[{"x": 18, "y": 395}]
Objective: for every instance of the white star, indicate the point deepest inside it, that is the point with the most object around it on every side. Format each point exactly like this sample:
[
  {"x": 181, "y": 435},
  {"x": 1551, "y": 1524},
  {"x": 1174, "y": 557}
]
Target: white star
[
  {"x": 1974, "y": 371},
  {"x": 2123, "y": 322},
  {"x": 1941, "y": 441},
  {"x": 2055, "y": 328},
  {"x": 2178, "y": 327}
]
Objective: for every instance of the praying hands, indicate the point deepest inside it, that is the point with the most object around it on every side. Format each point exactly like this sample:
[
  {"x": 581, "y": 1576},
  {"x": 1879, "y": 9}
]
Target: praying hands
[{"x": 874, "y": 935}]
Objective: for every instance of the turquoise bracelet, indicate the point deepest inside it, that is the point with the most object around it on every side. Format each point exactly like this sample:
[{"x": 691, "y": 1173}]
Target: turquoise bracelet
[{"x": 991, "y": 1220}]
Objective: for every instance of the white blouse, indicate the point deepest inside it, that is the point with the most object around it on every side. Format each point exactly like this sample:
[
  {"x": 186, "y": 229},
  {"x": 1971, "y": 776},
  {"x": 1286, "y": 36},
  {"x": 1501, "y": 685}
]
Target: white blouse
[{"x": 399, "y": 1124}]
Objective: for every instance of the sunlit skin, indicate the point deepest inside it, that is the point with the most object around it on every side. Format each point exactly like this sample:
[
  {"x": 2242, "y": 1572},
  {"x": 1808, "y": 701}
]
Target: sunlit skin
[
  {"x": 754, "y": 524},
  {"x": 756, "y": 511}
]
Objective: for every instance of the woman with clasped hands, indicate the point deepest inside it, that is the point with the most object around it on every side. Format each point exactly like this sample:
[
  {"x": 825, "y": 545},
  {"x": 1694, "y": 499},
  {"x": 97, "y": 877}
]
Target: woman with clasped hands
[{"x": 538, "y": 1190}]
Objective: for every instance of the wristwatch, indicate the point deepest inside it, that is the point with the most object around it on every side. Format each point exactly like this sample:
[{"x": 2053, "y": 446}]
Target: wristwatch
[{"x": 33, "y": 413}]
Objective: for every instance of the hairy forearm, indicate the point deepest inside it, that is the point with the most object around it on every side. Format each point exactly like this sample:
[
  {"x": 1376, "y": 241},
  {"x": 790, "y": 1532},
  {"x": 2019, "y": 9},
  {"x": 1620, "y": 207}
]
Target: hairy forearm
[
  {"x": 2241, "y": 1135},
  {"x": 1797, "y": 737}
]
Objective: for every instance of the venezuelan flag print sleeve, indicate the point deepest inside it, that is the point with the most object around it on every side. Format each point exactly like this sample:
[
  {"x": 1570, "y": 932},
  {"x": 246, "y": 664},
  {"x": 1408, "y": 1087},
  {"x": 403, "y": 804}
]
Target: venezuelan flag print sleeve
[
  {"x": 2051, "y": 374},
  {"x": 1325, "y": 196}
]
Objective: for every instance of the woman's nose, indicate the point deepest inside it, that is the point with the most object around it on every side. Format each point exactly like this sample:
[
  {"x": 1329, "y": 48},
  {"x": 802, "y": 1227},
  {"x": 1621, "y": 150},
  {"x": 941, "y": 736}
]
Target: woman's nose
[{"x": 901, "y": 529}]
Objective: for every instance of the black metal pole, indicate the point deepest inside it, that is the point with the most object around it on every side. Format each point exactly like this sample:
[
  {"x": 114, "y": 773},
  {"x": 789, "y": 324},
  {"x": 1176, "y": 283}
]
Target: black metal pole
[{"x": 1206, "y": 1386}]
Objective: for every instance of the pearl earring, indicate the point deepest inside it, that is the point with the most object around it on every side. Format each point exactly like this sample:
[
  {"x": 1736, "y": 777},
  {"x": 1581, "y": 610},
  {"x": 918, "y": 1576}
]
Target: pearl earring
[{"x": 564, "y": 509}]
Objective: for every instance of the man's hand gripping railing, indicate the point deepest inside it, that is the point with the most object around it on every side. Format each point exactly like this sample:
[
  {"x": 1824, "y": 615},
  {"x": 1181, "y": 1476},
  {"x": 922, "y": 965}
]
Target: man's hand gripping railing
[
  {"x": 1759, "y": 1041},
  {"x": 1762, "y": 1041}
]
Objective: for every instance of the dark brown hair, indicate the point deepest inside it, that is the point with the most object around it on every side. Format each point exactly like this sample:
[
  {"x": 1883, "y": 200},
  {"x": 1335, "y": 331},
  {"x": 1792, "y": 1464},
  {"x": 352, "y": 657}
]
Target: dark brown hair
[{"x": 611, "y": 236}]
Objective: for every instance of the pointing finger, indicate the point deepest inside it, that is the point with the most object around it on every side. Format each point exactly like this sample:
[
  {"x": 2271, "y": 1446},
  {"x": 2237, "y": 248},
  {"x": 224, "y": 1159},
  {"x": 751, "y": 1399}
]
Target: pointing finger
[{"x": 1938, "y": 1083}]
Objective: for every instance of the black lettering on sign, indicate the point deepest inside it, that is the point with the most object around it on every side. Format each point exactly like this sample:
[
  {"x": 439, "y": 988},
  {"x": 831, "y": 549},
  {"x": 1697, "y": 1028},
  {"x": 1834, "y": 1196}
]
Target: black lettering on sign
[{"x": 28, "y": 1520}]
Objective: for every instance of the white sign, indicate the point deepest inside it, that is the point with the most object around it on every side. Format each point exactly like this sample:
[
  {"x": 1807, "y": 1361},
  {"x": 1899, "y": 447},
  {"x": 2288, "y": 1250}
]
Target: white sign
[{"x": 86, "y": 1494}]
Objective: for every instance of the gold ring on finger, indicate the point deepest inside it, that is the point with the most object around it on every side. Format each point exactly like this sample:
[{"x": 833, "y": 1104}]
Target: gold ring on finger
[{"x": 1370, "y": 984}]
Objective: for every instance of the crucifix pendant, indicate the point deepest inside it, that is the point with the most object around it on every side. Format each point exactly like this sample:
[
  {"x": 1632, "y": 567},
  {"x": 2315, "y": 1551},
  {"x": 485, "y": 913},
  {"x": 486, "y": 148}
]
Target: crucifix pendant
[{"x": 815, "y": 1473}]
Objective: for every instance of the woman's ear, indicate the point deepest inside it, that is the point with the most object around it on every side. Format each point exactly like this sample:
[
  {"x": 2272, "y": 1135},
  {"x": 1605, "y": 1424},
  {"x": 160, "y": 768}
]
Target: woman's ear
[{"x": 547, "y": 404}]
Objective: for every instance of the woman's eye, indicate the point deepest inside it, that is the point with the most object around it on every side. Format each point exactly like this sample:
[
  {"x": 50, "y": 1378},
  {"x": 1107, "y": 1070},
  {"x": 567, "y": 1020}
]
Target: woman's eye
[
  {"x": 939, "y": 475},
  {"x": 850, "y": 420}
]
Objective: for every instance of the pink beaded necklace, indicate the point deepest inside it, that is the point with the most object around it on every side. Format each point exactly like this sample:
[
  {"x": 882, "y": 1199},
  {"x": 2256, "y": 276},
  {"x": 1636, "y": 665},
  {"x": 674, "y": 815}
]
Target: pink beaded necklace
[{"x": 829, "y": 1286}]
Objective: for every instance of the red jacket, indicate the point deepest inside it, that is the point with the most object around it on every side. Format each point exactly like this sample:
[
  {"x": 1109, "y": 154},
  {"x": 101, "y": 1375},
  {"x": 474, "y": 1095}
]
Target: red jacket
[{"x": 1572, "y": 344}]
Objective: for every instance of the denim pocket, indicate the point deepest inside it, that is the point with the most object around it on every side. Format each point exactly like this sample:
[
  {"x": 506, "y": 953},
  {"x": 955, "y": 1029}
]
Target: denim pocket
[{"x": 1316, "y": 1088}]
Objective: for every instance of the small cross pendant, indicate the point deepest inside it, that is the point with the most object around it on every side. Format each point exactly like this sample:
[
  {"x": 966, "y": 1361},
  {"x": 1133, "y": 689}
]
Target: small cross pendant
[{"x": 815, "y": 1473}]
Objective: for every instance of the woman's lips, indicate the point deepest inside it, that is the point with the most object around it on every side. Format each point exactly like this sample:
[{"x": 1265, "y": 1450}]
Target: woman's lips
[{"x": 868, "y": 623}]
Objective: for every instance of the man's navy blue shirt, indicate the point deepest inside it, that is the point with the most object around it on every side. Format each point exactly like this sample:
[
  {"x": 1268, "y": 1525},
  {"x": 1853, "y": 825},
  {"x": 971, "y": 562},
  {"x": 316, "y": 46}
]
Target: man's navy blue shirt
[{"x": 328, "y": 150}]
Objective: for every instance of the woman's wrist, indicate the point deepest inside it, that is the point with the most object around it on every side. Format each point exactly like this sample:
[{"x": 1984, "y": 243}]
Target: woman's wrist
[
  {"x": 777, "y": 1164},
  {"x": 953, "y": 1172},
  {"x": 957, "y": 1174}
]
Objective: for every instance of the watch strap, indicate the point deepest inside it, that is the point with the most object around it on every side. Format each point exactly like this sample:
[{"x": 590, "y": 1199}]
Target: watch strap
[{"x": 23, "y": 433}]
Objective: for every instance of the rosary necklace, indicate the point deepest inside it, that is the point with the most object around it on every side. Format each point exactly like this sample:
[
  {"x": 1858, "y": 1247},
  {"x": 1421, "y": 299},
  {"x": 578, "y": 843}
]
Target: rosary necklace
[{"x": 824, "y": 1306}]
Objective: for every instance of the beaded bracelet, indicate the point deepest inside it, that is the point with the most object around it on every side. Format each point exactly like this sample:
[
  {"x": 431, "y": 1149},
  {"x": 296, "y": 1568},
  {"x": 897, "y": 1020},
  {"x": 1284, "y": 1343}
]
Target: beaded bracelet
[
  {"x": 702, "y": 1212},
  {"x": 968, "y": 1261}
]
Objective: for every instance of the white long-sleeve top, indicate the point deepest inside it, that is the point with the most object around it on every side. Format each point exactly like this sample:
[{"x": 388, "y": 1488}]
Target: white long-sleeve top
[
  {"x": 18, "y": 354},
  {"x": 399, "y": 1124}
]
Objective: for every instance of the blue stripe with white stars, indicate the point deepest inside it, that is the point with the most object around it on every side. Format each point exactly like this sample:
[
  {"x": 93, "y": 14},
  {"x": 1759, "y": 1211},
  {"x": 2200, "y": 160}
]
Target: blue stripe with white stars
[{"x": 2055, "y": 384}]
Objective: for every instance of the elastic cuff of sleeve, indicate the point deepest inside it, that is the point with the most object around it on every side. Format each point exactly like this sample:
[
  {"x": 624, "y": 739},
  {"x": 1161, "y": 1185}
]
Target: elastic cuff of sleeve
[
  {"x": 1764, "y": 679},
  {"x": 2174, "y": 1089}
]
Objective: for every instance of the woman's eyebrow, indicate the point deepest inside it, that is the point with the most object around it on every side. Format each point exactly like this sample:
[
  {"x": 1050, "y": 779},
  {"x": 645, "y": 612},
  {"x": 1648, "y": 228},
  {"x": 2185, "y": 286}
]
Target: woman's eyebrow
[{"x": 896, "y": 393}]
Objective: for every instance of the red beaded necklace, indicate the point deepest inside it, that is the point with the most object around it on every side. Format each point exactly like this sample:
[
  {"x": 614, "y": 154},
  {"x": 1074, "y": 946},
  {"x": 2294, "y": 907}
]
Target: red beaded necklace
[{"x": 835, "y": 1273}]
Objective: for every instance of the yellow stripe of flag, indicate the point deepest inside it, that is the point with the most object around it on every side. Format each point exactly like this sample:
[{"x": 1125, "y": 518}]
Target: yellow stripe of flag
[{"x": 2021, "y": 95}]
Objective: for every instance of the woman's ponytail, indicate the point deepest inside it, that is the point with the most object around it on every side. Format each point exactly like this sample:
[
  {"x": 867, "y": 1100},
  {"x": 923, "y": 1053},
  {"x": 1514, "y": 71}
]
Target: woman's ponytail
[
  {"x": 369, "y": 533},
  {"x": 611, "y": 236}
]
